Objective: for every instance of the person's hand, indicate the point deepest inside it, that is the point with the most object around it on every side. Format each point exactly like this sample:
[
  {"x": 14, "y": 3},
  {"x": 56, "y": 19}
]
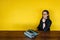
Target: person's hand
[{"x": 43, "y": 20}]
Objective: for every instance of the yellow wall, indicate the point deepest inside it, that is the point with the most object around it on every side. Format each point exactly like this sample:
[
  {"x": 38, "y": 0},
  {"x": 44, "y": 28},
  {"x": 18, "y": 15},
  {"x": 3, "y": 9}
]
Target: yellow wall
[{"x": 25, "y": 14}]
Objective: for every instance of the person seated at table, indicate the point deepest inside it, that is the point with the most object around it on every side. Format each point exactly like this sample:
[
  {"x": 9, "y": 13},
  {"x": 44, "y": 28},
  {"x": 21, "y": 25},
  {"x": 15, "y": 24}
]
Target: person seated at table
[{"x": 45, "y": 21}]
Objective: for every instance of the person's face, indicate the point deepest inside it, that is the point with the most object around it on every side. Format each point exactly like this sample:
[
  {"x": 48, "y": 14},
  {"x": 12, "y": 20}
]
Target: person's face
[{"x": 45, "y": 15}]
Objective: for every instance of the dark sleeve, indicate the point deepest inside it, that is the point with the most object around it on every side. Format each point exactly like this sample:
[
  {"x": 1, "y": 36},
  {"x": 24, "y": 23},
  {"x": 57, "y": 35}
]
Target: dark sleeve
[
  {"x": 39, "y": 26},
  {"x": 48, "y": 24}
]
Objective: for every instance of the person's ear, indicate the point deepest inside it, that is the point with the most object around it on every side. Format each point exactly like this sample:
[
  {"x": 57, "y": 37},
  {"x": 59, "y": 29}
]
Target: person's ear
[{"x": 47, "y": 15}]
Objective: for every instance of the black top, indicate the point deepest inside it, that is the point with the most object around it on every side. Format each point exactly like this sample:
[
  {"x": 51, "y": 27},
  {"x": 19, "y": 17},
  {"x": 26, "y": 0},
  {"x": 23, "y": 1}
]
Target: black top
[{"x": 47, "y": 25}]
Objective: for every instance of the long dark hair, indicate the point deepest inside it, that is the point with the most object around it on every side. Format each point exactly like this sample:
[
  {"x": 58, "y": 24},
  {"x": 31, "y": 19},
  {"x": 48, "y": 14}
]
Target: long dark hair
[{"x": 47, "y": 13}]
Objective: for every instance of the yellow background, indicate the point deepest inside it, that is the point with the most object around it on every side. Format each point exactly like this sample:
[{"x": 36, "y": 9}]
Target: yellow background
[{"x": 25, "y": 14}]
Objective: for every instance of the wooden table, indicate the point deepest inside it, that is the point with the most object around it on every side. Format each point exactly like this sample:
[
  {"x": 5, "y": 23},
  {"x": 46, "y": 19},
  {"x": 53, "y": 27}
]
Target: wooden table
[{"x": 19, "y": 35}]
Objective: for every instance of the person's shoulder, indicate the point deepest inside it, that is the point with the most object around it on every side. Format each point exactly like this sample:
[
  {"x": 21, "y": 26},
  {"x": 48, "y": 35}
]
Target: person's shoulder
[{"x": 49, "y": 20}]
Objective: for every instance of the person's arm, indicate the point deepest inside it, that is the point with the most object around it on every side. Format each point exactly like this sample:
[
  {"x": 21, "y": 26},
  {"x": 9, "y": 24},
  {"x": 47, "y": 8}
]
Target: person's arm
[
  {"x": 48, "y": 24},
  {"x": 39, "y": 26}
]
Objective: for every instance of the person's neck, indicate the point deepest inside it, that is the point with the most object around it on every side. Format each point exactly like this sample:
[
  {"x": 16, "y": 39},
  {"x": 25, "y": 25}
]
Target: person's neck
[{"x": 44, "y": 18}]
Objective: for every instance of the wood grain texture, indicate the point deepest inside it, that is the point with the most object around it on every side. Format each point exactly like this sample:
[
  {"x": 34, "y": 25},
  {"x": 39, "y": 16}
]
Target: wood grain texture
[{"x": 19, "y": 35}]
